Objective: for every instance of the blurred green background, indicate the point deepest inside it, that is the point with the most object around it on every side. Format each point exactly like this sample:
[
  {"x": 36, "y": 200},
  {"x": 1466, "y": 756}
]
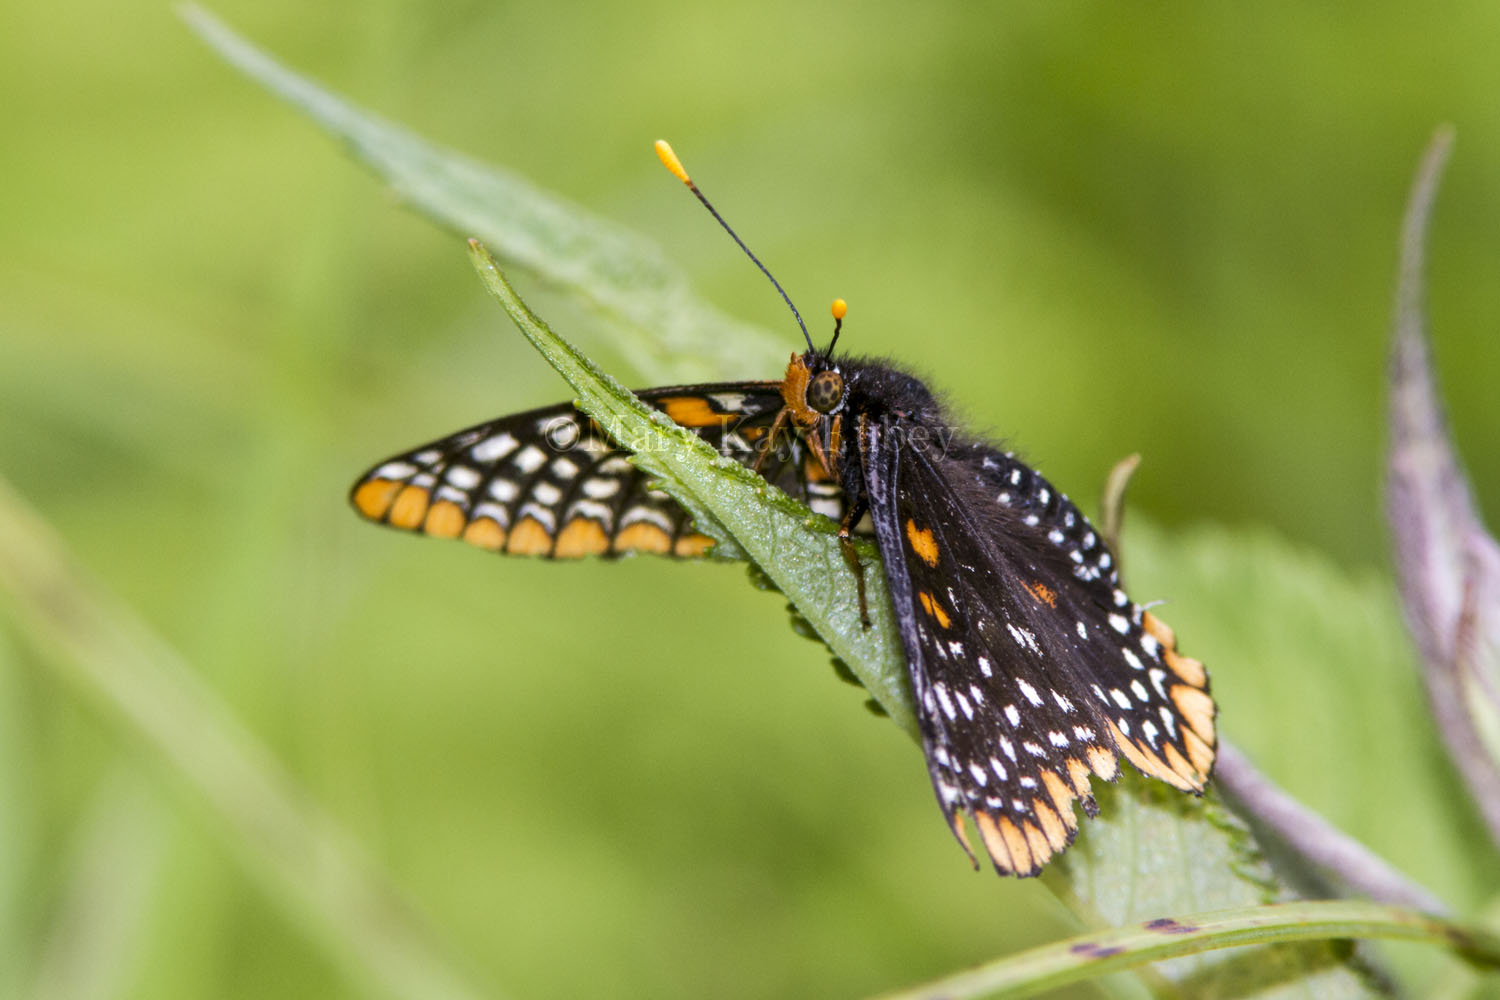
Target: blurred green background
[{"x": 1101, "y": 228}]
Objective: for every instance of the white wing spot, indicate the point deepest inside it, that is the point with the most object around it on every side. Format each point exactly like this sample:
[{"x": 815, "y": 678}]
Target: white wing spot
[
  {"x": 1084, "y": 733},
  {"x": 979, "y": 775},
  {"x": 546, "y": 493},
  {"x": 600, "y": 489},
  {"x": 494, "y": 512},
  {"x": 1057, "y": 739},
  {"x": 492, "y": 449},
  {"x": 1081, "y": 629},
  {"x": 1013, "y": 715},
  {"x": 1119, "y": 623},
  {"x": 564, "y": 468},
  {"x": 427, "y": 456},
  {"x": 530, "y": 459},
  {"x": 1028, "y": 691},
  {"x": 1167, "y": 720},
  {"x": 503, "y": 490},
  {"x": 1149, "y": 728},
  {"x": 984, "y": 667},
  {"x": 1024, "y": 637},
  {"x": 542, "y": 515},
  {"x": 998, "y": 768},
  {"x": 1157, "y": 676},
  {"x": 1033, "y": 749},
  {"x": 394, "y": 470},
  {"x": 463, "y": 477},
  {"x": 1139, "y": 689},
  {"x": 1062, "y": 702},
  {"x": 1028, "y": 782},
  {"x": 1119, "y": 697},
  {"x": 947, "y": 702},
  {"x": 1132, "y": 659}
]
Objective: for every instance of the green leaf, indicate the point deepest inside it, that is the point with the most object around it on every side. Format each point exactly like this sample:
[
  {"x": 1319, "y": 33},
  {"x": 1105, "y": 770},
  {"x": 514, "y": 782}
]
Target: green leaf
[{"x": 797, "y": 550}]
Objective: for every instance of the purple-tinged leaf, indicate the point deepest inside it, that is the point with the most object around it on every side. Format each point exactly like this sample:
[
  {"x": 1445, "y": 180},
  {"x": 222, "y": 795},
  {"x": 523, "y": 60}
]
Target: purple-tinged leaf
[{"x": 1448, "y": 565}]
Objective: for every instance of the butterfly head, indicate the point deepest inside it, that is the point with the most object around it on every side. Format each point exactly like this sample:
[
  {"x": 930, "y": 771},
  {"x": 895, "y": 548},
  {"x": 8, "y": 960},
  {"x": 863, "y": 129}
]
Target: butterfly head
[{"x": 813, "y": 388}]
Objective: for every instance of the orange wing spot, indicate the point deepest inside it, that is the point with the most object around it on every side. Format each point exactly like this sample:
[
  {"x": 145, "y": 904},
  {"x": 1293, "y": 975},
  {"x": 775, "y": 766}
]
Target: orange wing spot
[
  {"x": 1052, "y": 827},
  {"x": 373, "y": 499},
  {"x": 409, "y": 509},
  {"x": 753, "y": 434},
  {"x": 1042, "y": 593},
  {"x": 693, "y": 411},
  {"x": 1199, "y": 752},
  {"x": 485, "y": 533},
  {"x": 643, "y": 537},
  {"x": 445, "y": 519},
  {"x": 1078, "y": 774},
  {"x": 934, "y": 609},
  {"x": 962, "y": 833},
  {"x": 580, "y": 537},
  {"x": 529, "y": 538},
  {"x": 813, "y": 471},
  {"x": 1179, "y": 763},
  {"x": 1040, "y": 850},
  {"x": 1186, "y": 667},
  {"x": 995, "y": 844},
  {"x": 1160, "y": 629},
  {"x": 1104, "y": 763},
  {"x": 1015, "y": 843},
  {"x": 692, "y": 545},
  {"x": 922, "y": 543},
  {"x": 1147, "y": 762},
  {"x": 1196, "y": 708},
  {"x": 1062, "y": 796}
]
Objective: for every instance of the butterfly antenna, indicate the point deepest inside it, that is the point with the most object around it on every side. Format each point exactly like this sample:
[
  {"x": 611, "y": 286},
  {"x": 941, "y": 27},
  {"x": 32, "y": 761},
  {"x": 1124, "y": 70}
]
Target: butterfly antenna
[
  {"x": 671, "y": 162},
  {"x": 839, "y": 310}
]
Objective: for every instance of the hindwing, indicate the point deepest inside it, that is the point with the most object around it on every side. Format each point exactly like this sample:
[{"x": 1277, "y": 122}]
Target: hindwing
[{"x": 1031, "y": 669}]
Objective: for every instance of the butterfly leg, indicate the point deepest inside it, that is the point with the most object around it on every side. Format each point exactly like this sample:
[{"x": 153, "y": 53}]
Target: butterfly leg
[{"x": 846, "y": 545}]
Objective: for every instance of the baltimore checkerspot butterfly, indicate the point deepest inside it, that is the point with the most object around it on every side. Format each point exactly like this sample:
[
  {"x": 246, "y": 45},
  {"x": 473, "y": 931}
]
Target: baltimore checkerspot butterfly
[{"x": 1030, "y": 668}]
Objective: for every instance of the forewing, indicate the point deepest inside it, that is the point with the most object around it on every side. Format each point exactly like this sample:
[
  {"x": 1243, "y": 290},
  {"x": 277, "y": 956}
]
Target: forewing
[
  {"x": 550, "y": 482},
  {"x": 1024, "y": 672}
]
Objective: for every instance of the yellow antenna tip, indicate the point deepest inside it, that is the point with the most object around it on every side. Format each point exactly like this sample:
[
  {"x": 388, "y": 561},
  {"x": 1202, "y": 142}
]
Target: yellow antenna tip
[
  {"x": 840, "y": 308},
  {"x": 670, "y": 161}
]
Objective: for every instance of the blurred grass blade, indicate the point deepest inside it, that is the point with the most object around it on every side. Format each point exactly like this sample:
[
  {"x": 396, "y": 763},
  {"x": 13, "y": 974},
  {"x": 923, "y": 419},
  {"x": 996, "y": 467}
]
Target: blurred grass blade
[
  {"x": 671, "y": 334},
  {"x": 1448, "y": 565},
  {"x": 323, "y": 881},
  {"x": 1092, "y": 955}
]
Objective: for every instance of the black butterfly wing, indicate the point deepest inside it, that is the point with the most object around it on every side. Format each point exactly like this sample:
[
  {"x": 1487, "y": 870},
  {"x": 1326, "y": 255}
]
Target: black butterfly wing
[
  {"x": 1024, "y": 669},
  {"x": 549, "y": 482}
]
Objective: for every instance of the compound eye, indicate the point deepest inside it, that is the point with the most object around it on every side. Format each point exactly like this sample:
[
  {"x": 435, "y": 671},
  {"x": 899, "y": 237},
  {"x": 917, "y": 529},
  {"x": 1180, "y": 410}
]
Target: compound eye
[{"x": 826, "y": 391}]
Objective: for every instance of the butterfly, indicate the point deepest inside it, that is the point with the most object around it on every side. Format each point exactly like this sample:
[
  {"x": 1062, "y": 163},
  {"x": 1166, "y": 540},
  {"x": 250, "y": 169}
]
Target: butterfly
[{"x": 1031, "y": 669}]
